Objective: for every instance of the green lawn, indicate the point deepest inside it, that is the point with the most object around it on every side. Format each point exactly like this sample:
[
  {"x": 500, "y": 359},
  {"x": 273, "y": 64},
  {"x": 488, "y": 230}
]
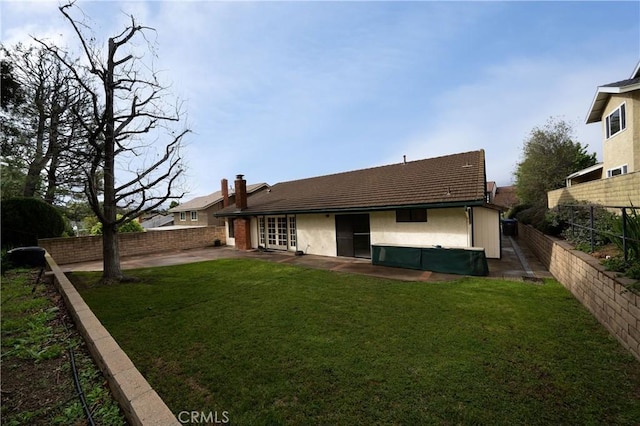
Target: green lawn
[{"x": 277, "y": 344}]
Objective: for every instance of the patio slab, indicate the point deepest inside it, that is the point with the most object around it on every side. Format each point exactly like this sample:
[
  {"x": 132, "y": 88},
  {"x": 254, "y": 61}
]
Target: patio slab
[{"x": 517, "y": 263}]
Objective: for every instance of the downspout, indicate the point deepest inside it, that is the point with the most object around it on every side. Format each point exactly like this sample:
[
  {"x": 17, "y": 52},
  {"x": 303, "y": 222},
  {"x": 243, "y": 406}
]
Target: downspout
[{"x": 471, "y": 223}]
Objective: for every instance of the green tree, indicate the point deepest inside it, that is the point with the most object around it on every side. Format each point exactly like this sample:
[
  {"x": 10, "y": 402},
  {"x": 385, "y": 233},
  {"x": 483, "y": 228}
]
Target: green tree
[
  {"x": 41, "y": 134},
  {"x": 549, "y": 155},
  {"x": 131, "y": 226}
]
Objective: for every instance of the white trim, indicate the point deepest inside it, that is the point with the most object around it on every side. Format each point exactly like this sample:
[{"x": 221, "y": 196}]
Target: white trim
[
  {"x": 582, "y": 173},
  {"x": 194, "y": 216},
  {"x": 636, "y": 71},
  {"x": 622, "y": 118},
  {"x": 624, "y": 169},
  {"x": 183, "y": 216},
  {"x": 602, "y": 96}
]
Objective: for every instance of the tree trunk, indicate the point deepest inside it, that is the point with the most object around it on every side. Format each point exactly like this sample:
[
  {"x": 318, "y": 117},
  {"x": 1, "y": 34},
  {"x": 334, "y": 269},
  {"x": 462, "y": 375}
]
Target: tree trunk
[
  {"x": 52, "y": 179},
  {"x": 111, "y": 254},
  {"x": 33, "y": 179}
]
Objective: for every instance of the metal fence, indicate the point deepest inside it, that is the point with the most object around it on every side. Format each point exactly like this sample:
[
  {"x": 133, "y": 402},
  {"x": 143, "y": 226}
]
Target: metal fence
[{"x": 628, "y": 217}]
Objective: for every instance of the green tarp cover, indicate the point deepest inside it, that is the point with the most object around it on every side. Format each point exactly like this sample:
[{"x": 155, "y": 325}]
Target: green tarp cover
[{"x": 436, "y": 259}]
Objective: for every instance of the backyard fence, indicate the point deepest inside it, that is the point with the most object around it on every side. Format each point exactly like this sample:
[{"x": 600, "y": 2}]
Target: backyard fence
[{"x": 619, "y": 225}]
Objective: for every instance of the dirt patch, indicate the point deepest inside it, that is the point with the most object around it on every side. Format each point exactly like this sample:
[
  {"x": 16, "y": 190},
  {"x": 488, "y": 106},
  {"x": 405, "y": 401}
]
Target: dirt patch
[
  {"x": 37, "y": 384},
  {"x": 607, "y": 251},
  {"x": 36, "y": 388}
]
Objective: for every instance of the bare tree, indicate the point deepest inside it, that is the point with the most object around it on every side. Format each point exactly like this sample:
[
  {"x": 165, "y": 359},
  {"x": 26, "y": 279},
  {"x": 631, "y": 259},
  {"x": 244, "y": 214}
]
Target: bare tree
[{"x": 129, "y": 115}]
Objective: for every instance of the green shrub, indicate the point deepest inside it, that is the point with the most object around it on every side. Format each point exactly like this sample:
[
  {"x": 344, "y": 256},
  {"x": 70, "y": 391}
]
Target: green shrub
[
  {"x": 539, "y": 218},
  {"x": 515, "y": 210},
  {"x": 131, "y": 226},
  {"x": 615, "y": 263},
  {"x": 24, "y": 220},
  {"x": 580, "y": 236},
  {"x": 632, "y": 232}
]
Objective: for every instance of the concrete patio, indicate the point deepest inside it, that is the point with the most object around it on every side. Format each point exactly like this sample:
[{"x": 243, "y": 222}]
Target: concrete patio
[{"x": 517, "y": 263}]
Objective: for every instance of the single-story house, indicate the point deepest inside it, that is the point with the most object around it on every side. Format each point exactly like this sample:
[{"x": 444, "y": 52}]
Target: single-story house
[
  {"x": 433, "y": 202},
  {"x": 199, "y": 211}
]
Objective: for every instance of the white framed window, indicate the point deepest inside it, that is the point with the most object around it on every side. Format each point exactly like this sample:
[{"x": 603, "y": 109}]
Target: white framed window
[
  {"x": 622, "y": 170},
  {"x": 183, "y": 216},
  {"x": 292, "y": 231},
  {"x": 411, "y": 215},
  {"x": 616, "y": 121},
  {"x": 261, "y": 231},
  {"x": 194, "y": 216}
]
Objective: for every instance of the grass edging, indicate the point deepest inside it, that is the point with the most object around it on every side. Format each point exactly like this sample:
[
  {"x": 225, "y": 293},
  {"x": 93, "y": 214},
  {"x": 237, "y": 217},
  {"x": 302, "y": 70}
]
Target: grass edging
[{"x": 139, "y": 402}]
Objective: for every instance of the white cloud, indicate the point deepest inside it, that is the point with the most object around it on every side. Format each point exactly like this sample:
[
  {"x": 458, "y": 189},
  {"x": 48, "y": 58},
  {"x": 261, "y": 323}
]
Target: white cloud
[{"x": 506, "y": 101}]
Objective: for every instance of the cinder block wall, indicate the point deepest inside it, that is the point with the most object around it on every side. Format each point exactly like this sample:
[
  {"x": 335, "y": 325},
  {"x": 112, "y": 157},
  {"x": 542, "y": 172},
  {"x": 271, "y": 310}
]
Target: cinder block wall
[
  {"x": 85, "y": 249},
  {"x": 598, "y": 290},
  {"x": 615, "y": 191}
]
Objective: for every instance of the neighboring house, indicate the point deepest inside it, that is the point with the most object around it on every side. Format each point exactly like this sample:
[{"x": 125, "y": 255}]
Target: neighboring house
[
  {"x": 157, "y": 221},
  {"x": 505, "y": 197},
  {"x": 615, "y": 181},
  {"x": 437, "y": 201},
  {"x": 492, "y": 189},
  {"x": 200, "y": 211}
]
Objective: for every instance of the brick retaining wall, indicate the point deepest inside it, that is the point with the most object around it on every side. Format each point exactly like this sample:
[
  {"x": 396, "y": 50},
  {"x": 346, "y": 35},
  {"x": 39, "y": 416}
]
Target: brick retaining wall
[
  {"x": 600, "y": 291},
  {"x": 85, "y": 249}
]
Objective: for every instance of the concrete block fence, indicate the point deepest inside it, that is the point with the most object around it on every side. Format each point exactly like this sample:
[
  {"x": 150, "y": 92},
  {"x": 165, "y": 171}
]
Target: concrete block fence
[
  {"x": 89, "y": 248},
  {"x": 601, "y": 292}
]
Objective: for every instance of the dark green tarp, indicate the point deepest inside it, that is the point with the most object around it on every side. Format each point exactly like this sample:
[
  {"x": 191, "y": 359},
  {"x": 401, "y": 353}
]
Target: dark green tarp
[{"x": 436, "y": 259}]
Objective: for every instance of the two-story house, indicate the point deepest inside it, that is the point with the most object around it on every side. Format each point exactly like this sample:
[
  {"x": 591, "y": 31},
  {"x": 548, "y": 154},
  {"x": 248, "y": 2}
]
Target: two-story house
[
  {"x": 616, "y": 180},
  {"x": 200, "y": 211}
]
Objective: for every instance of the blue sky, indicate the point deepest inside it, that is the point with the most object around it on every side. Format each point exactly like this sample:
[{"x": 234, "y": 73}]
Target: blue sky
[{"x": 287, "y": 90}]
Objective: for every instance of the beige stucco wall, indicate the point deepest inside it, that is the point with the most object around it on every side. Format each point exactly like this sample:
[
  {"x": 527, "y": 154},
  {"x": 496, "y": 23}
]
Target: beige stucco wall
[
  {"x": 446, "y": 227},
  {"x": 486, "y": 231},
  {"x": 616, "y": 191},
  {"x": 317, "y": 234},
  {"x": 205, "y": 217},
  {"x": 624, "y": 147}
]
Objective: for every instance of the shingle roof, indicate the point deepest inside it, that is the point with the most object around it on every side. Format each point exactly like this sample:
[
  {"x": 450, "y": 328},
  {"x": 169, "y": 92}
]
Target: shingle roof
[
  {"x": 506, "y": 196},
  {"x": 206, "y": 201},
  {"x": 448, "y": 180}
]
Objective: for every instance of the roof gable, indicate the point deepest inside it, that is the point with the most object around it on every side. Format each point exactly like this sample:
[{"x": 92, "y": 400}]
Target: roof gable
[
  {"x": 206, "y": 201},
  {"x": 457, "y": 178},
  {"x": 603, "y": 93}
]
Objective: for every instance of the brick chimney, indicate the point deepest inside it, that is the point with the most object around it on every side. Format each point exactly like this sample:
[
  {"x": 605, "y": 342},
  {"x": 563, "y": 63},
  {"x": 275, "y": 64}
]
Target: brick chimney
[
  {"x": 225, "y": 192},
  {"x": 242, "y": 225},
  {"x": 241, "y": 192}
]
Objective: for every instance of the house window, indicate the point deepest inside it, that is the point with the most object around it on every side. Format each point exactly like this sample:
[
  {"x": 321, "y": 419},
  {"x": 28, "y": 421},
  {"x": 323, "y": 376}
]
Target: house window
[
  {"x": 292, "y": 231},
  {"x": 282, "y": 231},
  {"x": 194, "y": 216},
  {"x": 183, "y": 216},
  {"x": 622, "y": 170},
  {"x": 232, "y": 228},
  {"x": 616, "y": 121},
  {"x": 411, "y": 215},
  {"x": 261, "y": 231},
  {"x": 271, "y": 231}
]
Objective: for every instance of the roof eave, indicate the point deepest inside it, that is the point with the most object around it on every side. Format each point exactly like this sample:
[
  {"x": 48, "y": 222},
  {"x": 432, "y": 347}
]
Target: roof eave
[
  {"x": 437, "y": 205},
  {"x": 602, "y": 96},
  {"x": 179, "y": 209}
]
